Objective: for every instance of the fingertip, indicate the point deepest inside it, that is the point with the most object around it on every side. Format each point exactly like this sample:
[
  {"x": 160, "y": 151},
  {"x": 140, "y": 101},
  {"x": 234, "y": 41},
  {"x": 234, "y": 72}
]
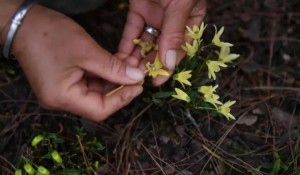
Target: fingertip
[
  {"x": 171, "y": 59},
  {"x": 134, "y": 73}
]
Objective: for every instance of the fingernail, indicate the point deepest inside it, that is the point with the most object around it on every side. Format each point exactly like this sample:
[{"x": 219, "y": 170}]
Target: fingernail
[
  {"x": 134, "y": 73},
  {"x": 171, "y": 59}
]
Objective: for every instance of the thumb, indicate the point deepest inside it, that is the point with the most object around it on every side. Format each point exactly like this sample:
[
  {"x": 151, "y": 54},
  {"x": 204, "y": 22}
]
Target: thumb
[
  {"x": 109, "y": 67},
  {"x": 172, "y": 34}
]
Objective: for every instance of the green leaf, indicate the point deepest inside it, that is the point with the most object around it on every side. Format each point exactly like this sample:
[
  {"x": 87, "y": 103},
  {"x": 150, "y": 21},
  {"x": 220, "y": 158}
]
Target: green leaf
[
  {"x": 96, "y": 164},
  {"x": 284, "y": 165},
  {"x": 194, "y": 62},
  {"x": 162, "y": 94},
  {"x": 277, "y": 157},
  {"x": 193, "y": 94},
  {"x": 276, "y": 167},
  {"x": 98, "y": 144}
]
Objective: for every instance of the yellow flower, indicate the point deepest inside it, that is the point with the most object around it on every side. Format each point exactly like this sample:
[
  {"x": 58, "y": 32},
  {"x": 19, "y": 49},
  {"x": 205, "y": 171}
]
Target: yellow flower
[
  {"x": 214, "y": 66},
  {"x": 181, "y": 95},
  {"x": 209, "y": 96},
  {"x": 225, "y": 110},
  {"x": 225, "y": 56},
  {"x": 146, "y": 47},
  {"x": 191, "y": 50},
  {"x": 213, "y": 99},
  {"x": 216, "y": 40},
  {"x": 155, "y": 69},
  {"x": 183, "y": 77},
  {"x": 197, "y": 32},
  {"x": 207, "y": 89}
]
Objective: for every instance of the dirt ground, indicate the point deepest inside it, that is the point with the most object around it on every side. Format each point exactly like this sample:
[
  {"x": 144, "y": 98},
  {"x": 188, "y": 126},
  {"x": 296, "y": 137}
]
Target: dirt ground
[{"x": 145, "y": 138}]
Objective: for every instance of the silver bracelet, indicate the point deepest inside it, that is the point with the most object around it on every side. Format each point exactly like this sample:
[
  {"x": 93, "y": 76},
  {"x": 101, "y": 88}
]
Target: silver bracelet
[{"x": 15, "y": 24}]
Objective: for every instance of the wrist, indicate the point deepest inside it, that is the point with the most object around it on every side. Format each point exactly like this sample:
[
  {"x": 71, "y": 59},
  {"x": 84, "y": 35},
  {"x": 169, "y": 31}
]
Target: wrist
[
  {"x": 15, "y": 24},
  {"x": 36, "y": 30},
  {"x": 7, "y": 11}
]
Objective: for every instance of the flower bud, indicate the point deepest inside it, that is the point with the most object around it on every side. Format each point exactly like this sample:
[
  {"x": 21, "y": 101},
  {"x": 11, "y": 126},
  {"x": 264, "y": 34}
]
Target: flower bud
[
  {"x": 36, "y": 140},
  {"x": 18, "y": 172},
  {"x": 56, "y": 156},
  {"x": 29, "y": 169},
  {"x": 43, "y": 171}
]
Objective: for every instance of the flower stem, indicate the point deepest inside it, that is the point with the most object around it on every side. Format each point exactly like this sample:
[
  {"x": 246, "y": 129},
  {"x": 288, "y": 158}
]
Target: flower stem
[
  {"x": 200, "y": 68},
  {"x": 213, "y": 109},
  {"x": 114, "y": 91},
  {"x": 208, "y": 45},
  {"x": 119, "y": 88}
]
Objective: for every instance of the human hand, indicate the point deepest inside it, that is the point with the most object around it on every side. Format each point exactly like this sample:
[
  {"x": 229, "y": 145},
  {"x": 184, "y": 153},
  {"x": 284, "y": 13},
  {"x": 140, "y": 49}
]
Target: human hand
[
  {"x": 68, "y": 70},
  {"x": 169, "y": 16}
]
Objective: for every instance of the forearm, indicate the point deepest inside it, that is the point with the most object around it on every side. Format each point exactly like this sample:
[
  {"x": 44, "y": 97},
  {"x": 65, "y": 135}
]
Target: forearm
[{"x": 7, "y": 10}]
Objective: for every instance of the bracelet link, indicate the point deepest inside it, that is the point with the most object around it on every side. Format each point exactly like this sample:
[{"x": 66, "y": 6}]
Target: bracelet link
[{"x": 15, "y": 24}]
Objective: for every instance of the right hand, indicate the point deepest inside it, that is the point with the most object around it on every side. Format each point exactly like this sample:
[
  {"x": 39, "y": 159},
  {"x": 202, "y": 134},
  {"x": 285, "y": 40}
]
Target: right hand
[
  {"x": 169, "y": 16},
  {"x": 68, "y": 70}
]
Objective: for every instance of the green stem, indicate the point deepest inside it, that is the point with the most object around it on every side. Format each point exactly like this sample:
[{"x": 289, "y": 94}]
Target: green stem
[
  {"x": 199, "y": 69},
  {"x": 208, "y": 45},
  {"x": 213, "y": 109}
]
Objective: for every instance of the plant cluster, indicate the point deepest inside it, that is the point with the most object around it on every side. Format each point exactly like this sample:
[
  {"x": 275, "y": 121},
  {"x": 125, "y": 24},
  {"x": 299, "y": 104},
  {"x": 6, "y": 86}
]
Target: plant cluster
[
  {"x": 48, "y": 155},
  {"x": 193, "y": 87}
]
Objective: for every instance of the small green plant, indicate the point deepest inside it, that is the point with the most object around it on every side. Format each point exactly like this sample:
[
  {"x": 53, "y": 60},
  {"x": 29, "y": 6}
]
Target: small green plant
[
  {"x": 276, "y": 166},
  {"x": 52, "y": 154}
]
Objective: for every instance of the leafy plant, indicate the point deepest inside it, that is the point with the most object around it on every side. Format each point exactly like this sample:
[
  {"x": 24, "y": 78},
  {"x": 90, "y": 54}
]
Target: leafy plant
[
  {"x": 275, "y": 167},
  {"x": 189, "y": 83},
  {"x": 50, "y": 153}
]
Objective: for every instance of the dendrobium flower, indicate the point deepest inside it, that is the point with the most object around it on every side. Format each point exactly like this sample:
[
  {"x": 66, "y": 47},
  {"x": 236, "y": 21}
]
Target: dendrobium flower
[
  {"x": 213, "y": 99},
  {"x": 216, "y": 40},
  {"x": 155, "y": 69},
  {"x": 214, "y": 66},
  {"x": 209, "y": 96},
  {"x": 146, "y": 47},
  {"x": 197, "y": 32},
  {"x": 183, "y": 77},
  {"x": 191, "y": 50},
  {"x": 225, "y": 56},
  {"x": 225, "y": 110},
  {"x": 181, "y": 95},
  {"x": 208, "y": 89}
]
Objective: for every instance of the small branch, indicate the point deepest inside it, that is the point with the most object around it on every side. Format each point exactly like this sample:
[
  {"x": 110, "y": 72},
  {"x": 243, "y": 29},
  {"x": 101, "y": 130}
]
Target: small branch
[
  {"x": 5, "y": 160},
  {"x": 274, "y": 88},
  {"x": 86, "y": 162}
]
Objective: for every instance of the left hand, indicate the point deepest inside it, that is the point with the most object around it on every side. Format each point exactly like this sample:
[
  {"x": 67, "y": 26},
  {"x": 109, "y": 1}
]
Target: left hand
[{"x": 170, "y": 17}]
